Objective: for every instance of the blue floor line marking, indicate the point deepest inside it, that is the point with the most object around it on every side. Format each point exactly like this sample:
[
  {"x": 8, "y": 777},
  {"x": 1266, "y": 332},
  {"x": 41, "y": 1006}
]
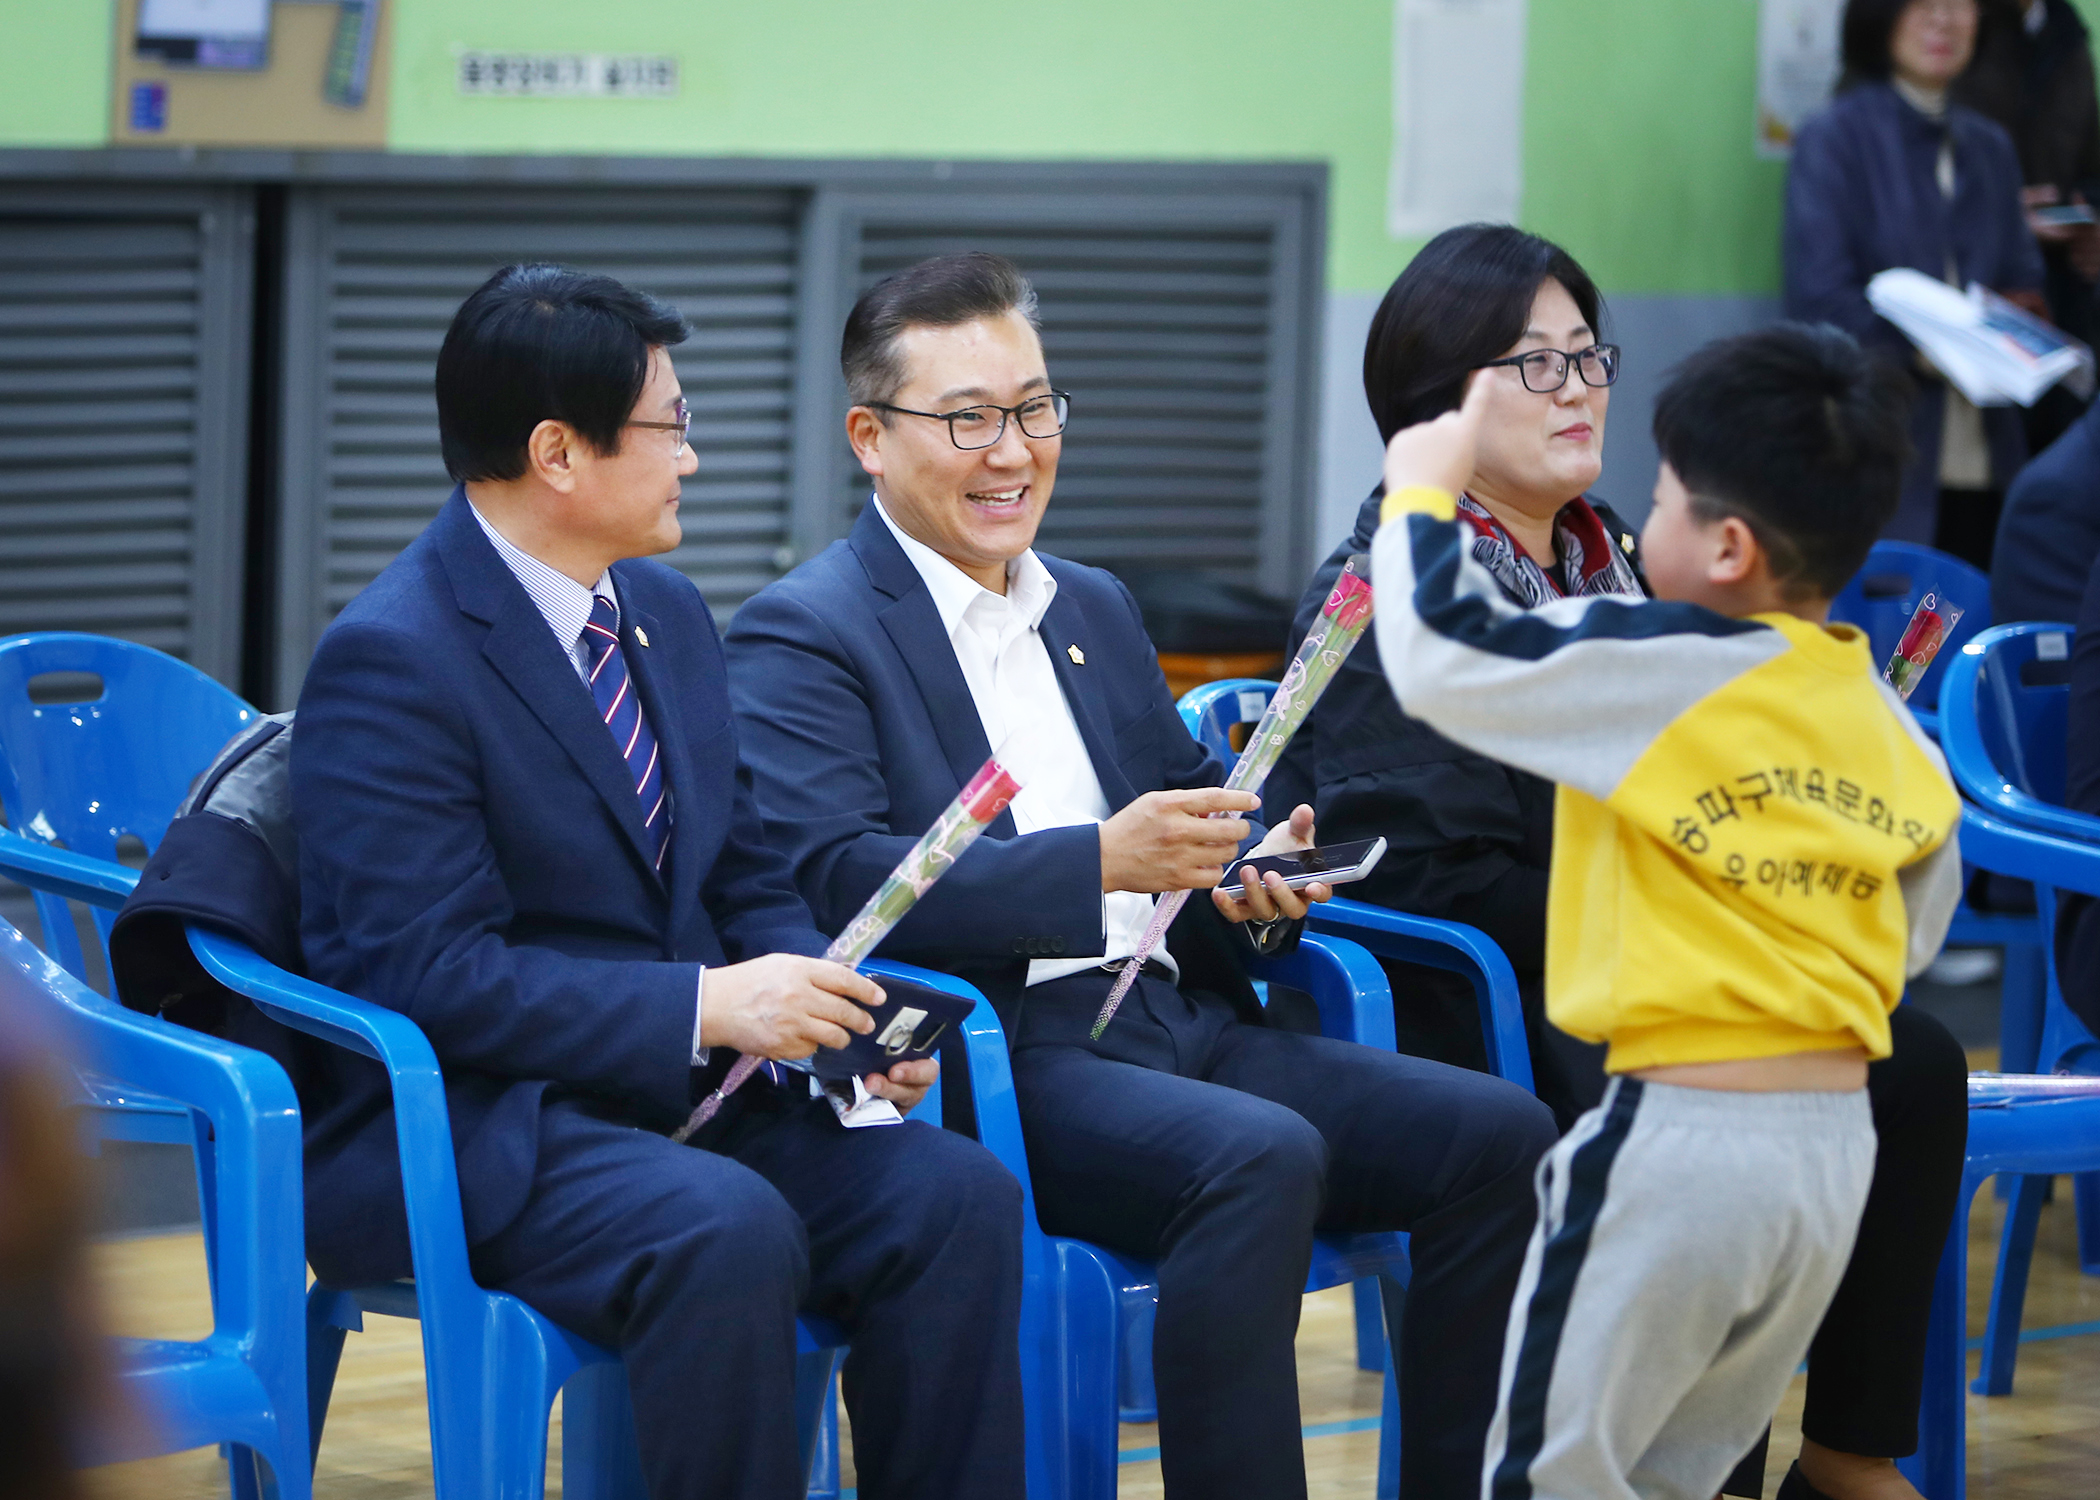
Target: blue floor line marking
[
  {"x": 1313, "y": 1430},
  {"x": 2043, "y": 1335}
]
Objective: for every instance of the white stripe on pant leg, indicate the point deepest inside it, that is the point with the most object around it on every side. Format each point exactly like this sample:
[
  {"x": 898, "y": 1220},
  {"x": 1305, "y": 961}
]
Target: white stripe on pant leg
[{"x": 1550, "y": 1182}]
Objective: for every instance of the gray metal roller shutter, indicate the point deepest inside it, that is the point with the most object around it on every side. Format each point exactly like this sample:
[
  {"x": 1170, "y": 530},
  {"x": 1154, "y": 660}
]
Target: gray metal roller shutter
[
  {"x": 374, "y": 277},
  {"x": 1178, "y": 324},
  {"x": 124, "y": 344}
]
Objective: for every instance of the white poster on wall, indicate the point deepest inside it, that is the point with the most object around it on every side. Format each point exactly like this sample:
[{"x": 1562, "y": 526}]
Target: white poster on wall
[
  {"x": 1458, "y": 114},
  {"x": 1797, "y": 67}
]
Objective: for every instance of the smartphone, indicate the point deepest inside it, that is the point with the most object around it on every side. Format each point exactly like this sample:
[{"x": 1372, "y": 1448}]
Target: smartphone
[
  {"x": 908, "y": 1025},
  {"x": 2064, "y": 215},
  {"x": 1331, "y": 864}
]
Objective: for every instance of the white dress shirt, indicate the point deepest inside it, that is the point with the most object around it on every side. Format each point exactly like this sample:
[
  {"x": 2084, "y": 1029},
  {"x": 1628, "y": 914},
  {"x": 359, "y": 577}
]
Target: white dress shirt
[
  {"x": 566, "y": 606},
  {"x": 999, "y": 646}
]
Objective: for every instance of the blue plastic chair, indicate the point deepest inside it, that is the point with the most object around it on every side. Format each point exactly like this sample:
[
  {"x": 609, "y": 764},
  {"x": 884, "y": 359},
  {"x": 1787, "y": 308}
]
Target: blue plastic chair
[
  {"x": 117, "y": 757},
  {"x": 492, "y": 1364},
  {"x": 243, "y": 1385},
  {"x": 1078, "y": 1300},
  {"x": 2029, "y": 1140},
  {"x": 1886, "y": 589},
  {"x": 2004, "y": 736},
  {"x": 1879, "y": 600},
  {"x": 1211, "y": 712}
]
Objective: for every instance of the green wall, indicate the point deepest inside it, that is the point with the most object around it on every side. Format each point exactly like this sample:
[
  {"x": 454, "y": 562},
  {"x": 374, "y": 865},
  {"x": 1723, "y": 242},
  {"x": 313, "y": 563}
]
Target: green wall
[
  {"x": 57, "y": 90},
  {"x": 1637, "y": 138},
  {"x": 1637, "y": 144}
]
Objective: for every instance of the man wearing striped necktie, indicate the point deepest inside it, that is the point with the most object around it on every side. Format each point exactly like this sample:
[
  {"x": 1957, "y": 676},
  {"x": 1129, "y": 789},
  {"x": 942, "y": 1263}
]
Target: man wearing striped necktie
[{"x": 524, "y": 823}]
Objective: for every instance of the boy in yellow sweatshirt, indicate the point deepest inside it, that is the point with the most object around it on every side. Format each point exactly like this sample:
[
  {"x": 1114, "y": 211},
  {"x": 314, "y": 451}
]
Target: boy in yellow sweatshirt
[{"x": 1753, "y": 848}]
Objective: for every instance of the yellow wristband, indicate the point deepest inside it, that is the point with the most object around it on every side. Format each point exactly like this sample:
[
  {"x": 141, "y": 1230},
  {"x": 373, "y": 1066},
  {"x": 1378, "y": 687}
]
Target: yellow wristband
[{"x": 1419, "y": 499}]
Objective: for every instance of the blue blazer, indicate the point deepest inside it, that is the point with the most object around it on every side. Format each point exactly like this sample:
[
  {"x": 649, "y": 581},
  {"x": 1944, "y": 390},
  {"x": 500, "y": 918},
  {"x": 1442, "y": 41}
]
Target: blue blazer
[
  {"x": 2049, "y": 533},
  {"x": 859, "y": 729},
  {"x": 1862, "y": 197},
  {"x": 471, "y": 854}
]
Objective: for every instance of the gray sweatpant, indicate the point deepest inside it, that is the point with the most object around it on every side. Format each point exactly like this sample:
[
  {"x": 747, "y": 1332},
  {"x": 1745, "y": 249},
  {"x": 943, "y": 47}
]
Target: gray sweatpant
[{"x": 1688, "y": 1243}]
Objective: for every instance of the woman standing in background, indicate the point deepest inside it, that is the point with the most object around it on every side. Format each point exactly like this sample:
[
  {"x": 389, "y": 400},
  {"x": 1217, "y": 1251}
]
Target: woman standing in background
[{"x": 1892, "y": 174}]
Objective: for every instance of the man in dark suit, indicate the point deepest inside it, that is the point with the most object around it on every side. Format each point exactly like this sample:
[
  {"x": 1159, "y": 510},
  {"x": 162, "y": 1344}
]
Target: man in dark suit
[
  {"x": 524, "y": 823},
  {"x": 874, "y": 679}
]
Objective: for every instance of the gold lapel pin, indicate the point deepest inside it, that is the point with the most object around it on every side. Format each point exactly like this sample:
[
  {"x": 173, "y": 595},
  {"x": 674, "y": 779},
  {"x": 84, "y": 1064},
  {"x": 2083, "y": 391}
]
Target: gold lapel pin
[
  {"x": 641, "y": 635},
  {"x": 1626, "y": 542},
  {"x": 1078, "y": 656}
]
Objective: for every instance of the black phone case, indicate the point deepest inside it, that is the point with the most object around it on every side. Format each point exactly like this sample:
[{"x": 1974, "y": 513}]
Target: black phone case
[{"x": 889, "y": 1043}]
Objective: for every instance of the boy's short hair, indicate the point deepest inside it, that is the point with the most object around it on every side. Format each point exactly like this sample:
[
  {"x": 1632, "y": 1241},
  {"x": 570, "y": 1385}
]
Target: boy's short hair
[
  {"x": 538, "y": 343},
  {"x": 943, "y": 292},
  {"x": 1799, "y": 433}
]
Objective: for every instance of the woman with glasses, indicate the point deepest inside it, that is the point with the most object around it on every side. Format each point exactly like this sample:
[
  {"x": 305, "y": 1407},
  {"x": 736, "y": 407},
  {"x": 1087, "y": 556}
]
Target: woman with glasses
[
  {"x": 1471, "y": 839},
  {"x": 1893, "y": 174}
]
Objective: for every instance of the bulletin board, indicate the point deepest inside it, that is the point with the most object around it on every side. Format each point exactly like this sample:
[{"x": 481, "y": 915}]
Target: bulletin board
[{"x": 290, "y": 91}]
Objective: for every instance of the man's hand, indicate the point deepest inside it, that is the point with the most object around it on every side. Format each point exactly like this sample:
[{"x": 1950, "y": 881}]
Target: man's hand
[
  {"x": 906, "y": 1083},
  {"x": 1167, "y": 841},
  {"x": 1439, "y": 453},
  {"x": 1266, "y": 901},
  {"x": 785, "y": 1006}
]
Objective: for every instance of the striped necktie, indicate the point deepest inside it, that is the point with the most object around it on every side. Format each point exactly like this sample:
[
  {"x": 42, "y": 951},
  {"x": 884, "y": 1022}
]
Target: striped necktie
[{"x": 621, "y": 708}]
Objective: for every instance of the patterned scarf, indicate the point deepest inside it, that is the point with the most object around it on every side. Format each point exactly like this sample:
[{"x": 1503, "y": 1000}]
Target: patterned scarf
[{"x": 1587, "y": 555}]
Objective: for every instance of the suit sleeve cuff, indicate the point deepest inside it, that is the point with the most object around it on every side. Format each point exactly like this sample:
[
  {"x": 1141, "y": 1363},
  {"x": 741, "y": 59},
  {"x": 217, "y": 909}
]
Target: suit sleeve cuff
[{"x": 699, "y": 998}]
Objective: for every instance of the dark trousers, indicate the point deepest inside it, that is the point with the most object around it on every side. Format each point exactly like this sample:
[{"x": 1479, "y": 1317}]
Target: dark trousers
[
  {"x": 1217, "y": 1148},
  {"x": 693, "y": 1263}
]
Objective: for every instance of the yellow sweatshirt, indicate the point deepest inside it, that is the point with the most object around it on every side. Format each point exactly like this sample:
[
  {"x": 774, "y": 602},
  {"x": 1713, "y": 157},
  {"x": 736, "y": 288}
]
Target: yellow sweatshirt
[{"x": 1753, "y": 842}]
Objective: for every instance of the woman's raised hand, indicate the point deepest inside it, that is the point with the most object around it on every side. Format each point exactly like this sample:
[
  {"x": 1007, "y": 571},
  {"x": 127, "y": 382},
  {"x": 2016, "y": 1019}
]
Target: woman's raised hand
[{"x": 1439, "y": 453}]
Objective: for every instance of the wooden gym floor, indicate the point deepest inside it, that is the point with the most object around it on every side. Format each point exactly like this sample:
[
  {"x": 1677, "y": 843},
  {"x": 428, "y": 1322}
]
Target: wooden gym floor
[{"x": 2043, "y": 1440}]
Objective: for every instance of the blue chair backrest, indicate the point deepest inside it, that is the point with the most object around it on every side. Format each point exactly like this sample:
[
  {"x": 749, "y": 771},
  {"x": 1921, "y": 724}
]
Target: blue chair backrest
[
  {"x": 1884, "y": 592},
  {"x": 101, "y": 738},
  {"x": 115, "y": 756},
  {"x": 1212, "y": 710},
  {"x": 2003, "y": 716}
]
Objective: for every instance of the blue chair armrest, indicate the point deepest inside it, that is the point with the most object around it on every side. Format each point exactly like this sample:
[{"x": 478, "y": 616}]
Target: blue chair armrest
[
  {"x": 429, "y": 1173},
  {"x": 997, "y": 1109},
  {"x": 1444, "y": 945},
  {"x": 60, "y": 872},
  {"x": 257, "y": 1216},
  {"x": 2031, "y": 853},
  {"x": 1355, "y": 1001}
]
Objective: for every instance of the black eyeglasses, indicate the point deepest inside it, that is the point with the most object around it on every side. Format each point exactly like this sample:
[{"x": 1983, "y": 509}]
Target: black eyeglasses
[
  {"x": 682, "y": 426},
  {"x": 973, "y": 427},
  {"x": 1546, "y": 370}
]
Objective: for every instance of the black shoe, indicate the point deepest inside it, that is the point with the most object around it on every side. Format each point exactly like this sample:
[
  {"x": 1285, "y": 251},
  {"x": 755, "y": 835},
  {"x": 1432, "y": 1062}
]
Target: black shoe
[{"x": 1795, "y": 1487}]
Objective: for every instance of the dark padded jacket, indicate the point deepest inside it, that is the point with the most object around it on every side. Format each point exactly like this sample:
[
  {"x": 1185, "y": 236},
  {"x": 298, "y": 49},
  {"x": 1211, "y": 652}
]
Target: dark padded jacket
[{"x": 1469, "y": 839}]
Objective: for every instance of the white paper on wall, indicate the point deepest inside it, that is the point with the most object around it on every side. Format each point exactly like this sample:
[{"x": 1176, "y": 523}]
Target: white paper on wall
[
  {"x": 1458, "y": 113},
  {"x": 200, "y": 18},
  {"x": 1797, "y": 67}
]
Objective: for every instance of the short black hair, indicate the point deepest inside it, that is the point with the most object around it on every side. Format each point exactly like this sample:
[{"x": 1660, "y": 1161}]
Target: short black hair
[
  {"x": 1863, "y": 39},
  {"x": 942, "y": 292},
  {"x": 538, "y": 343},
  {"x": 1799, "y": 433},
  {"x": 1462, "y": 301}
]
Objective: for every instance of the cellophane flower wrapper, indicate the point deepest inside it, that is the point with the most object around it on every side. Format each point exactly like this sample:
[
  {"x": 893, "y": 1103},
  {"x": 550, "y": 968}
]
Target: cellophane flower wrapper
[
  {"x": 1342, "y": 622},
  {"x": 972, "y": 811},
  {"x": 1930, "y": 625}
]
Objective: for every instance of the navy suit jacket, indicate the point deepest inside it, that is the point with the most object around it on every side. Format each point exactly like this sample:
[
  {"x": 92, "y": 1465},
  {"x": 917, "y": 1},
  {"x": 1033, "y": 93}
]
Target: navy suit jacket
[
  {"x": 859, "y": 729},
  {"x": 471, "y": 854}
]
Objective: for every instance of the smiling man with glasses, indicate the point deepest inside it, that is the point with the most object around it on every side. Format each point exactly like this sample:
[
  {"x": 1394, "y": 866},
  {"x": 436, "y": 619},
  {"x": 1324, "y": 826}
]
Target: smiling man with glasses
[
  {"x": 871, "y": 682},
  {"x": 523, "y": 822}
]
